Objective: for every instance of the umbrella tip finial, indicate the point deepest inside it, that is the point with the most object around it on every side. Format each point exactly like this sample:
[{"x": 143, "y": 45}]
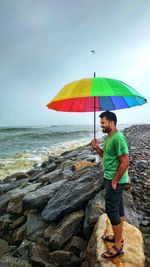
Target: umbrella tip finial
[{"x": 92, "y": 52}]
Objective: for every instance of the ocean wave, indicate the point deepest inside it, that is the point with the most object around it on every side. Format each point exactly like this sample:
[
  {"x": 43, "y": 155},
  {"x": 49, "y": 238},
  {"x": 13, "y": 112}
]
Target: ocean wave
[
  {"x": 25, "y": 160},
  {"x": 14, "y": 129},
  {"x": 43, "y": 135}
]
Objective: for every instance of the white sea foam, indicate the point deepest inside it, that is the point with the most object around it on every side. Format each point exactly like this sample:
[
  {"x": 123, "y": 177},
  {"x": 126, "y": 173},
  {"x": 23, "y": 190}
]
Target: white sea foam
[{"x": 24, "y": 161}]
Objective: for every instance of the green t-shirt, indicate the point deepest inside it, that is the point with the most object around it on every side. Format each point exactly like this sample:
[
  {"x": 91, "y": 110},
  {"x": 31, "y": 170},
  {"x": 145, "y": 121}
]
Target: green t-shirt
[{"x": 114, "y": 146}]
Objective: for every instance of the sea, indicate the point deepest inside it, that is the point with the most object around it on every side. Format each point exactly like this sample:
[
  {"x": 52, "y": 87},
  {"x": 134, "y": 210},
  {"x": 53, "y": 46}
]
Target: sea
[{"x": 21, "y": 148}]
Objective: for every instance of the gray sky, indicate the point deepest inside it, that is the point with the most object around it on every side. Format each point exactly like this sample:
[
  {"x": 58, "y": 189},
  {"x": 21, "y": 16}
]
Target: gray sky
[{"x": 45, "y": 44}]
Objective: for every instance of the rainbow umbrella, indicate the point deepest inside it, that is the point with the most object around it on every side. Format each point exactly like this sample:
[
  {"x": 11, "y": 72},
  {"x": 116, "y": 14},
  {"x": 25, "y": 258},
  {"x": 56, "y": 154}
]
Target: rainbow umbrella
[{"x": 96, "y": 94}]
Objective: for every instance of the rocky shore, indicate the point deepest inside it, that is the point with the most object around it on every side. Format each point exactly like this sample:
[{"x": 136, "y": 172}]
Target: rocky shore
[{"x": 48, "y": 215}]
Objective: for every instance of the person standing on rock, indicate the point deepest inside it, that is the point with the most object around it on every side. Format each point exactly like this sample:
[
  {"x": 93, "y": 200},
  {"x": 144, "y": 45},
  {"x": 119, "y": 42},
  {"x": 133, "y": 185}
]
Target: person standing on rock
[{"x": 115, "y": 159}]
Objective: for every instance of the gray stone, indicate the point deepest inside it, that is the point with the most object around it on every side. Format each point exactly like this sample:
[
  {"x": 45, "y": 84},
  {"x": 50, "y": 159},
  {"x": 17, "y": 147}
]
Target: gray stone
[
  {"x": 147, "y": 248},
  {"x": 4, "y": 247},
  {"x": 130, "y": 212},
  {"x": 10, "y": 261},
  {"x": 23, "y": 250},
  {"x": 5, "y": 222},
  {"x": 67, "y": 173},
  {"x": 15, "y": 200},
  {"x": 70, "y": 154},
  {"x": 36, "y": 174},
  {"x": 63, "y": 231},
  {"x": 18, "y": 235},
  {"x": 13, "y": 183},
  {"x": 64, "y": 259},
  {"x": 73, "y": 194},
  {"x": 76, "y": 245},
  {"x": 145, "y": 223},
  {"x": 39, "y": 255},
  {"x": 39, "y": 198},
  {"x": 67, "y": 164},
  {"x": 51, "y": 167},
  {"x": 93, "y": 210},
  {"x": 15, "y": 223},
  {"x": 20, "y": 175},
  {"x": 35, "y": 223},
  {"x": 50, "y": 175}
]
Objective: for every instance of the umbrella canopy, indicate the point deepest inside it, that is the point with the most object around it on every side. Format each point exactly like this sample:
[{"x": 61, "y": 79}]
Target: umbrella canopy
[{"x": 96, "y": 94}]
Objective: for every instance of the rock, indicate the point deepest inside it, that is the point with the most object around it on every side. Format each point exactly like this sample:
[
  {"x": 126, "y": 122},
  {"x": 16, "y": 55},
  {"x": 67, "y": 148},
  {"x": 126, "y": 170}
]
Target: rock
[
  {"x": 81, "y": 165},
  {"x": 9, "y": 261},
  {"x": 131, "y": 215},
  {"x": 5, "y": 223},
  {"x": 23, "y": 250},
  {"x": 85, "y": 156},
  {"x": 63, "y": 231},
  {"x": 67, "y": 174},
  {"x": 145, "y": 223},
  {"x": 70, "y": 154},
  {"x": 36, "y": 174},
  {"x": 76, "y": 245},
  {"x": 4, "y": 247},
  {"x": 21, "y": 175},
  {"x": 51, "y": 167},
  {"x": 147, "y": 248},
  {"x": 4, "y": 199},
  {"x": 59, "y": 160},
  {"x": 64, "y": 259},
  {"x": 73, "y": 194},
  {"x": 49, "y": 176},
  {"x": 35, "y": 226},
  {"x": 18, "y": 235},
  {"x": 39, "y": 198},
  {"x": 13, "y": 183},
  {"x": 15, "y": 223},
  {"x": 84, "y": 264},
  {"x": 15, "y": 200},
  {"x": 93, "y": 210},
  {"x": 67, "y": 164},
  {"x": 39, "y": 255},
  {"x": 133, "y": 254}
]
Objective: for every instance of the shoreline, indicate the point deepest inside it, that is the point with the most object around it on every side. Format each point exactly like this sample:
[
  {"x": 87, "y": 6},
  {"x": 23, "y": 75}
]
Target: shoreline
[{"x": 24, "y": 161}]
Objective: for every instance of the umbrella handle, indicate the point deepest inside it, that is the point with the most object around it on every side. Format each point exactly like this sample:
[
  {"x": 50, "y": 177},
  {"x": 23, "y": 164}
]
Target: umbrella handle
[
  {"x": 94, "y": 118},
  {"x": 94, "y": 112}
]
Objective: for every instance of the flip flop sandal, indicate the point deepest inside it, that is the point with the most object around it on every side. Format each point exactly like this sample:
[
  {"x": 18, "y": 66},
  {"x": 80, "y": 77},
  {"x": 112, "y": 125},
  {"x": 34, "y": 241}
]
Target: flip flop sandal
[
  {"x": 108, "y": 238},
  {"x": 112, "y": 255}
]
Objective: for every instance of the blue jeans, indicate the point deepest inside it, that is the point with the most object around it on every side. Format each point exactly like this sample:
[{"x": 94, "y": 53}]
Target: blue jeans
[{"x": 114, "y": 206}]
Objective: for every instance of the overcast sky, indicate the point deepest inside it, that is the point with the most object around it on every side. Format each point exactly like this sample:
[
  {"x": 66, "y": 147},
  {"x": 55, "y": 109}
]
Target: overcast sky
[{"x": 45, "y": 44}]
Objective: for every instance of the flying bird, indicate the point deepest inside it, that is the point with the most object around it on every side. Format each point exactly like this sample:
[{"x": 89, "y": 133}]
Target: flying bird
[{"x": 92, "y": 52}]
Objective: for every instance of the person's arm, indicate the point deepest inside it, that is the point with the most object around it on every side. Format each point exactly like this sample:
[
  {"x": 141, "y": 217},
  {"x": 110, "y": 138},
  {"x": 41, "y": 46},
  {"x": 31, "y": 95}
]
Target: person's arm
[
  {"x": 124, "y": 163},
  {"x": 95, "y": 146}
]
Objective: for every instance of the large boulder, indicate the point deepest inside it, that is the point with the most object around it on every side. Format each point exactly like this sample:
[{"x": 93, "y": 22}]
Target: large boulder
[
  {"x": 16, "y": 197},
  {"x": 133, "y": 247},
  {"x": 72, "y": 195},
  {"x": 39, "y": 198},
  {"x": 59, "y": 234}
]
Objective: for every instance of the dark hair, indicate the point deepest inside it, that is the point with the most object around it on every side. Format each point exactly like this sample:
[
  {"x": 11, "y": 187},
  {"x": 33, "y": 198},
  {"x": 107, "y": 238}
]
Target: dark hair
[{"x": 109, "y": 116}]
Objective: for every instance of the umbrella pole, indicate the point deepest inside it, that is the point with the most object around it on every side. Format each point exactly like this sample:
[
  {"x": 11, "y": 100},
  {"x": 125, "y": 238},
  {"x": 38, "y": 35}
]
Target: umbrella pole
[{"x": 94, "y": 112}]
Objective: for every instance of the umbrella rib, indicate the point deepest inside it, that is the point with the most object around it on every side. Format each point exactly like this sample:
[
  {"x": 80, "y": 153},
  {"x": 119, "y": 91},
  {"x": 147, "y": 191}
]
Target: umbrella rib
[
  {"x": 72, "y": 104},
  {"x": 112, "y": 103},
  {"x": 86, "y": 104},
  {"x": 125, "y": 102}
]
